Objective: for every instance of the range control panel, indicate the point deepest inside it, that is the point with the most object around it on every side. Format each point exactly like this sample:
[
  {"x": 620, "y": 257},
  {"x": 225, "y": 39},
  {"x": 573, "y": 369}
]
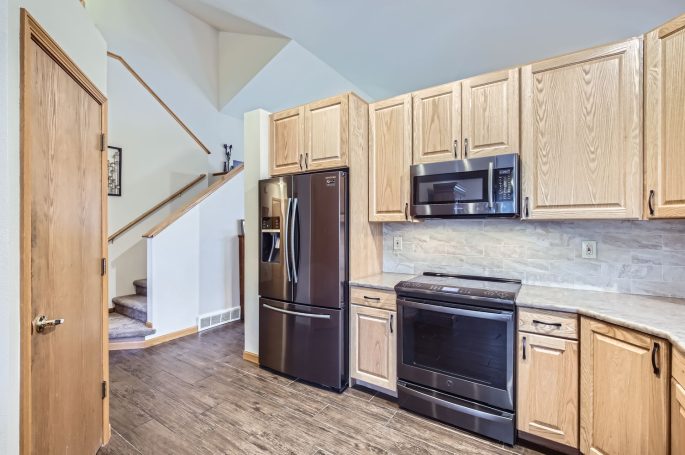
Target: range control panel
[{"x": 450, "y": 290}]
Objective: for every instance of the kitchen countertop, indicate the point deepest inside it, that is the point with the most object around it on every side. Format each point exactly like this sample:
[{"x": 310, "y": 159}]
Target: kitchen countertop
[
  {"x": 658, "y": 316},
  {"x": 384, "y": 281}
]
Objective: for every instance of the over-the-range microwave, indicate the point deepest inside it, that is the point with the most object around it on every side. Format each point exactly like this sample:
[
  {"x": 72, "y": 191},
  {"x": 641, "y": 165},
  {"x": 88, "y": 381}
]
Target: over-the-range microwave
[{"x": 476, "y": 187}]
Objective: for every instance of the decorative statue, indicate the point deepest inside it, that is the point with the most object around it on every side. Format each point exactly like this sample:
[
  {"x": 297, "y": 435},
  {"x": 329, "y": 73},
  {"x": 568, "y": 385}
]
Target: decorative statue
[{"x": 227, "y": 151}]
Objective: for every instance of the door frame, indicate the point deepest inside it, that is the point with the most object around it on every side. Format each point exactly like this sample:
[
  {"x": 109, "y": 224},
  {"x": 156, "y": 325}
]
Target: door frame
[{"x": 32, "y": 31}]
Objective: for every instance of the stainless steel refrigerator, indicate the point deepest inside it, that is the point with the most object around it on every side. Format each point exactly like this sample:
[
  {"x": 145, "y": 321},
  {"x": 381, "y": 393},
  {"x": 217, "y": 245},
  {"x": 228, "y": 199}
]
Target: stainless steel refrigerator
[{"x": 303, "y": 274}]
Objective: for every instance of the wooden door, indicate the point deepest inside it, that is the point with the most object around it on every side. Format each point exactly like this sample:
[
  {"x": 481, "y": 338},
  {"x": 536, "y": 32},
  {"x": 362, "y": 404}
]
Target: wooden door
[
  {"x": 286, "y": 148},
  {"x": 548, "y": 388},
  {"x": 490, "y": 114},
  {"x": 437, "y": 123},
  {"x": 665, "y": 121},
  {"x": 326, "y": 133},
  {"x": 390, "y": 132},
  {"x": 581, "y": 147},
  {"x": 63, "y": 246},
  {"x": 624, "y": 377},
  {"x": 677, "y": 418},
  {"x": 373, "y": 346}
]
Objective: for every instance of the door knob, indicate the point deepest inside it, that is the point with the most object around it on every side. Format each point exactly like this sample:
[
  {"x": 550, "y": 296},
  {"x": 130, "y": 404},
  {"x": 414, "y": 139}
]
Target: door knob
[{"x": 41, "y": 322}]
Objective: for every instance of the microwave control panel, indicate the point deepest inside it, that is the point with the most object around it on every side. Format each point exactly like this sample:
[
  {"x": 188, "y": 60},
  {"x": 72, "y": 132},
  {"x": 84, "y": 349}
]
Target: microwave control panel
[{"x": 504, "y": 184}]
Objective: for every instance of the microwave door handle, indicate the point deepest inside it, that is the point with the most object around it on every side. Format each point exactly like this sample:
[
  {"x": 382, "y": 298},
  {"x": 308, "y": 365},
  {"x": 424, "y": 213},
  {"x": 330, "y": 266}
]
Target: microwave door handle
[
  {"x": 291, "y": 240},
  {"x": 493, "y": 315},
  {"x": 491, "y": 182},
  {"x": 286, "y": 241}
]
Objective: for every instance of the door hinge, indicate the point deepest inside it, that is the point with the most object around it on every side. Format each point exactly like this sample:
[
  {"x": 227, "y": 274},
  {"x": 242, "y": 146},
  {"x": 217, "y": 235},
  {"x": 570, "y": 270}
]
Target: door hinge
[
  {"x": 104, "y": 389},
  {"x": 102, "y": 142},
  {"x": 103, "y": 266}
]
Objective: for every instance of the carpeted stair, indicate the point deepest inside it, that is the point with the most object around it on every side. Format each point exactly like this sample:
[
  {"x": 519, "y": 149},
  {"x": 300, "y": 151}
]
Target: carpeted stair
[{"x": 128, "y": 321}]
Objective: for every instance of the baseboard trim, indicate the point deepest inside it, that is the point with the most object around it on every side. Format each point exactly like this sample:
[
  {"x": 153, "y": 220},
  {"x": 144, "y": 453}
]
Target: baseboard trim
[
  {"x": 251, "y": 357},
  {"x": 142, "y": 344}
]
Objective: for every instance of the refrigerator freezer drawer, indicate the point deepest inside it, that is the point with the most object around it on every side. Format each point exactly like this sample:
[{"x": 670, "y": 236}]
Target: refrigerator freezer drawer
[{"x": 305, "y": 342}]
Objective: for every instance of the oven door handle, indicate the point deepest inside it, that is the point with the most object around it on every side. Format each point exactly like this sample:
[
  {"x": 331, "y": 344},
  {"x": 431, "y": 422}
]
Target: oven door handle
[{"x": 490, "y": 314}]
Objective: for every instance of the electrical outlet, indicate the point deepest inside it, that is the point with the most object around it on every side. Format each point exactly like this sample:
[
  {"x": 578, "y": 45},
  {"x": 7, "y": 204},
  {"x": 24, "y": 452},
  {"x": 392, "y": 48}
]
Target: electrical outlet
[
  {"x": 397, "y": 243},
  {"x": 589, "y": 249}
]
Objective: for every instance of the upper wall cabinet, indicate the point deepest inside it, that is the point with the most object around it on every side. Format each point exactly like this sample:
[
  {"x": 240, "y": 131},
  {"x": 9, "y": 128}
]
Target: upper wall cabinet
[
  {"x": 390, "y": 132},
  {"x": 581, "y": 128},
  {"x": 286, "y": 141},
  {"x": 490, "y": 114},
  {"x": 326, "y": 126},
  {"x": 665, "y": 120},
  {"x": 437, "y": 123}
]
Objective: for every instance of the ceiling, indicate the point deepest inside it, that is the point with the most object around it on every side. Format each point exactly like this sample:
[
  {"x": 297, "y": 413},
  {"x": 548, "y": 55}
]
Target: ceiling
[{"x": 389, "y": 47}]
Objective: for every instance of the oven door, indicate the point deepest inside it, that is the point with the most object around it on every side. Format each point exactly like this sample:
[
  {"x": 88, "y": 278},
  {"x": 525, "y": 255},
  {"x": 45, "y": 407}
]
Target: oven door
[{"x": 458, "y": 349}]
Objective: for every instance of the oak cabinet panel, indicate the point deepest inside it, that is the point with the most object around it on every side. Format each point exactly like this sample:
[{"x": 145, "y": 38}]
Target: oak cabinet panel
[
  {"x": 326, "y": 133},
  {"x": 548, "y": 388},
  {"x": 665, "y": 121},
  {"x": 437, "y": 123},
  {"x": 286, "y": 141},
  {"x": 390, "y": 132},
  {"x": 490, "y": 114},
  {"x": 677, "y": 418},
  {"x": 581, "y": 123},
  {"x": 373, "y": 346},
  {"x": 624, "y": 391}
]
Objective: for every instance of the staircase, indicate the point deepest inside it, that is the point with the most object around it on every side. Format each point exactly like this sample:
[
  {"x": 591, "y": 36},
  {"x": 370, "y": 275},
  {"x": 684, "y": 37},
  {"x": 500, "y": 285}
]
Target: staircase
[{"x": 128, "y": 322}]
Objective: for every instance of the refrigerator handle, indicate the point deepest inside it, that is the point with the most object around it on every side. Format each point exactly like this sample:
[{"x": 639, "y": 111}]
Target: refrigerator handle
[
  {"x": 291, "y": 240},
  {"x": 287, "y": 243}
]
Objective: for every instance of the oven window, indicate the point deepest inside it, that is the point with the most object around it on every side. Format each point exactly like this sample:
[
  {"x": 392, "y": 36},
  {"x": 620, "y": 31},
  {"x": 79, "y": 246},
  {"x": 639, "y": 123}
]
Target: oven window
[
  {"x": 467, "y": 347},
  {"x": 451, "y": 187}
]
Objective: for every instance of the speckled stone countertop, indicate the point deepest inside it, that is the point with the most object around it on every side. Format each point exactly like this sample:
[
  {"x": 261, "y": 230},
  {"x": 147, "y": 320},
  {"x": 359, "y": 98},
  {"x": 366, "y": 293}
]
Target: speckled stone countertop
[
  {"x": 385, "y": 281},
  {"x": 658, "y": 316}
]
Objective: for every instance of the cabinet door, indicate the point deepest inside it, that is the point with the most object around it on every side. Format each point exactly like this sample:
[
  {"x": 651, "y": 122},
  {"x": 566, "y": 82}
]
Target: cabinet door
[
  {"x": 548, "y": 388},
  {"x": 581, "y": 124},
  {"x": 286, "y": 141},
  {"x": 677, "y": 418},
  {"x": 389, "y": 159},
  {"x": 373, "y": 346},
  {"x": 624, "y": 377},
  {"x": 665, "y": 121},
  {"x": 326, "y": 133},
  {"x": 437, "y": 123},
  {"x": 490, "y": 114}
]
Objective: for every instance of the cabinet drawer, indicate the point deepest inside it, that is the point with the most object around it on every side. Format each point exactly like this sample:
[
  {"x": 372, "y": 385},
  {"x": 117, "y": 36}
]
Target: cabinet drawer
[
  {"x": 376, "y": 298},
  {"x": 678, "y": 367},
  {"x": 546, "y": 322}
]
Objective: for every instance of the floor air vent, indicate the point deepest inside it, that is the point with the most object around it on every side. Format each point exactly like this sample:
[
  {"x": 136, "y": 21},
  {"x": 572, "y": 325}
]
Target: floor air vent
[{"x": 209, "y": 320}]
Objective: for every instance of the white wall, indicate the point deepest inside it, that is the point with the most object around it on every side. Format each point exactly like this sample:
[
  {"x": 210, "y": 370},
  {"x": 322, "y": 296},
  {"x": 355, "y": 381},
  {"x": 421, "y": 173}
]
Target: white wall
[
  {"x": 67, "y": 22},
  {"x": 256, "y": 168},
  {"x": 177, "y": 55}
]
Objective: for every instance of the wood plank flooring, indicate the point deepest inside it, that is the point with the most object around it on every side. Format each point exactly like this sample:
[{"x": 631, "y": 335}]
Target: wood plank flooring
[{"x": 196, "y": 395}]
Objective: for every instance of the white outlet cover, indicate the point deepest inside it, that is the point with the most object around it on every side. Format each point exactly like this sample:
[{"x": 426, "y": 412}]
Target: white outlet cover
[
  {"x": 397, "y": 243},
  {"x": 589, "y": 249}
]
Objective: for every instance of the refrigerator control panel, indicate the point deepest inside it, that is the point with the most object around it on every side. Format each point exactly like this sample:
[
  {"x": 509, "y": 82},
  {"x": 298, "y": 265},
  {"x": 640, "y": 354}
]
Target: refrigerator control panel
[{"x": 271, "y": 222}]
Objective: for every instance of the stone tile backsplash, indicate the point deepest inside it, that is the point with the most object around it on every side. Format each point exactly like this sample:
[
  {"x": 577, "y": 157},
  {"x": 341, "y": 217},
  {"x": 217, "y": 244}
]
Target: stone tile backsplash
[{"x": 637, "y": 257}]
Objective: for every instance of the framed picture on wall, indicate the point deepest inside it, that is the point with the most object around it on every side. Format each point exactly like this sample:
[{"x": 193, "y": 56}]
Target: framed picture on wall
[{"x": 114, "y": 171}]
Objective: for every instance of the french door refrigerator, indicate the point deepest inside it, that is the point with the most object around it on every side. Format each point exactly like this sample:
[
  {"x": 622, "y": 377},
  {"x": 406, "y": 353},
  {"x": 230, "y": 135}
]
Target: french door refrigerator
[{"x": 303, "y": 274}]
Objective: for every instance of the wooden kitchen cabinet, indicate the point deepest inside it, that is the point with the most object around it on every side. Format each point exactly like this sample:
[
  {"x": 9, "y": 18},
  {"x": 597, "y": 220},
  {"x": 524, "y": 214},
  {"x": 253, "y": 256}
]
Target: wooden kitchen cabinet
[
  {"x": 678, "y": 403},
  {"x": 326, "y": 133},
  {"x": 581, "y": 126},
  {"x": 390, "y": 156},
  {"x": 624, "y": 392},
  {"x": 437, "y": 123},
  {"x": 548, "y": 388},
  {"x": 665, "y": 121},
  {"x": 286, "y": 137},
  {"x": 490, "y": 114},
  {"x": 373, "y": 346}
]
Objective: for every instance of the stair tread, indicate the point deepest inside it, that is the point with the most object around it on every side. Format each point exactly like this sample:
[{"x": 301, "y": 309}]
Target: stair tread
[
  {"x": 121, "y": 326},
  {"x": 141, "y": 283},
  {"x": 133, "y": 301}
]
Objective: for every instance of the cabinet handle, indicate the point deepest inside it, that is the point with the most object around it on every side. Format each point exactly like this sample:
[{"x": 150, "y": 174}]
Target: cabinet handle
[
  {"x": 306, "y": 159},
  {"x": 650, "y": 202},
  {"x": 524, "y": 348},
  {"x": 300, "y": 161},
  {"x": 555, "y": 324},
  {"x": 456, "y": 148},
  {"x": 406, "y": 211},
  {"x": 377, "y": 299},
  {"x": 466, "y": 148},
  {"x": 392, "y": 316},
  {"x": 655, "y": 355},
  {"x": 526, "y": 212}
]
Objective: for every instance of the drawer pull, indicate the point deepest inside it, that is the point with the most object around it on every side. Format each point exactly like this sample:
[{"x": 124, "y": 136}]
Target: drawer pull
[
  {"x": 524, "y": 348},
  {"x": 553, "y": 324},
  {"x": 377, "y": 299}
]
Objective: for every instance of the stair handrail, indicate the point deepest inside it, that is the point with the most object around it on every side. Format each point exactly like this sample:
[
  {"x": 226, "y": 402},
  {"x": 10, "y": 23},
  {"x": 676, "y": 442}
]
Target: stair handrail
[
  {"x": 156, "y": 207},
  {"x": 193, "y": 203},
  {"x": 137, "y": 76}
]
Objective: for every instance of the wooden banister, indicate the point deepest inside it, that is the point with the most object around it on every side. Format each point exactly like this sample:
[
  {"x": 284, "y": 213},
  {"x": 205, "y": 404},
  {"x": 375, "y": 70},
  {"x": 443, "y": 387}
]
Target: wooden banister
[
  {"x": 159, "y": 100},
  {"x": 158, "y": 206},
  {"x": 199, "y": 198}
]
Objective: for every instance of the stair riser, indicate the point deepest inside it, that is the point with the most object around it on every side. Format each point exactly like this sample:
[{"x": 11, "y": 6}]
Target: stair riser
[
  {"x": 140, "y": 290},
  {"x": 131, "y": 313}
]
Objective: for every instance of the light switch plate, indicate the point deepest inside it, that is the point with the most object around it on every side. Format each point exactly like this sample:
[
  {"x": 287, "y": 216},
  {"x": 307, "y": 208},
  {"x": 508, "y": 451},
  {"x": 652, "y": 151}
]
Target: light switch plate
[
  {"x": 397, "y": 243},
  {"x": 589, "y": 249}
]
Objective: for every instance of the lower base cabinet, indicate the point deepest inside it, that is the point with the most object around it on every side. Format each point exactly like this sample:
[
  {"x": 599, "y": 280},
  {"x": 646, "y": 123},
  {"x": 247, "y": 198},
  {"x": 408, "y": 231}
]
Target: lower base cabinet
[
  {"x": 373, "y": 346},
  {"x": 677, "y": 418}
]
